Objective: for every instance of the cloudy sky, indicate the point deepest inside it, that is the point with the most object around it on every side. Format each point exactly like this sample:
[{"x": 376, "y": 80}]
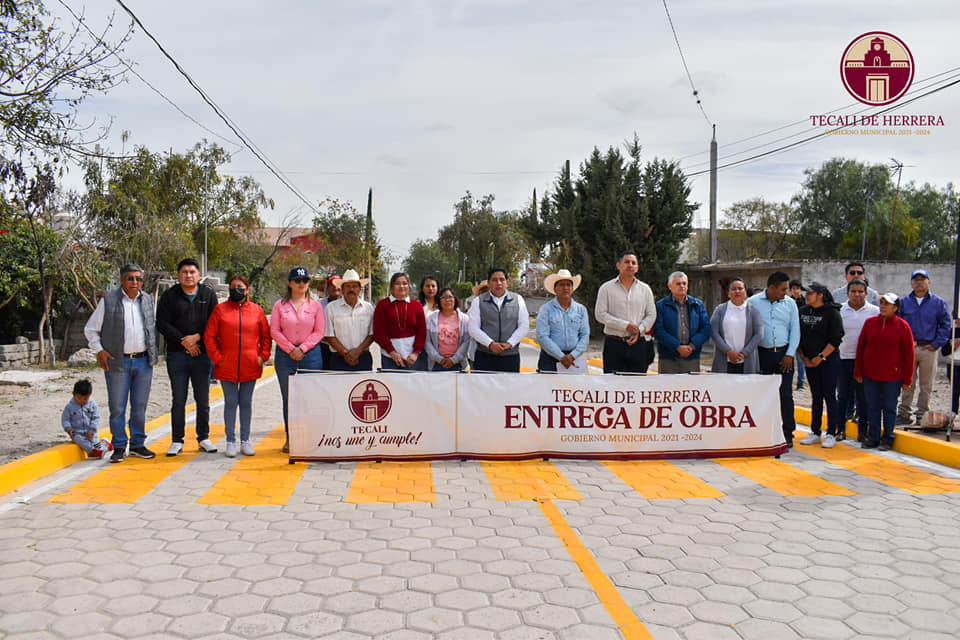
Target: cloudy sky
[{"x": 424, "y": 100}]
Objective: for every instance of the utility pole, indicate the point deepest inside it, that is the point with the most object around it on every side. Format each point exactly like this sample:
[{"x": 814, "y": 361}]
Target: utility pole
[
  {"x": 369, "y": 238},
  {"x": 713, "y": 197}
]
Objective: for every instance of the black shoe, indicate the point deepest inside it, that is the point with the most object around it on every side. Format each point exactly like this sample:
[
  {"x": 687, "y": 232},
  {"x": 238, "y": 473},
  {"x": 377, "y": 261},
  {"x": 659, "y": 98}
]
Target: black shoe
[
  {"x": 902, "y": 421},
  {"x": 142, "y": 452},
  {"x": 790, "y": 445},
  {"x": 841, "y": 436},
  {"x": 118, "y": 455},
  {"x": 883, "y": 447},
  {"x": 869, "y": 445}
]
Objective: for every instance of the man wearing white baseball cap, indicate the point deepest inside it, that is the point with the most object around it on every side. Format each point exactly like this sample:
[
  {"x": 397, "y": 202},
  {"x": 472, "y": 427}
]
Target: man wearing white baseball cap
[
  {"x": 349, "y": 330},
  {"x": 563, "y": 327}
]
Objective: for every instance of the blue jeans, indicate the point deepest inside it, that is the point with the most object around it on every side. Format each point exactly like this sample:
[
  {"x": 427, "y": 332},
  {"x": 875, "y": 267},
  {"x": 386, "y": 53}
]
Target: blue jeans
[
  {"x": 882, "y": 402},
  {"x": 422, "y": 363},
  {"x": 823, "y": 387},
  {"x": 129, "y": 380},
  {"x": 849, "y": 389},
  {"x": 237, "y": 395},
  {"x": 484, "y": 361},
  {"x": 183, "y": 370},
  {"x": 287, "y": 366},
  {"x": 801, "y": 372},
  {"x": 770, "y": 365},
  {"x": 456, "y": 367}
]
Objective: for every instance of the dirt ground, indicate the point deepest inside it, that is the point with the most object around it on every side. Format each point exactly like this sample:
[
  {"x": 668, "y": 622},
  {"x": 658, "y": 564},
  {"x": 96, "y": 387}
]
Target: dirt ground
[{"x": 30, "y": 416}]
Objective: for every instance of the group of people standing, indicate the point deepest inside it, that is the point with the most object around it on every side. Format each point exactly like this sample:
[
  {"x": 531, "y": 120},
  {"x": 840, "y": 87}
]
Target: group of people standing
[{"x": 856, "y": 353}]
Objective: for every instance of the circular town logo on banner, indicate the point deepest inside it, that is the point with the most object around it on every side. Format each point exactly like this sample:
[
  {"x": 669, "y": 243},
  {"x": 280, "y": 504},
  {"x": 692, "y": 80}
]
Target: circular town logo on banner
[
  {"x": 877, "y": 68},
  {"x": 370, "y": 401}
]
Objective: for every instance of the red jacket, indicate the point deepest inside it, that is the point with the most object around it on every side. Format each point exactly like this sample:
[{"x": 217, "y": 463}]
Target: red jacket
[
  {"x": 235, "y": 336},
  {"x": 885, "y": 350},
  {"x": 399, "y": 319}
]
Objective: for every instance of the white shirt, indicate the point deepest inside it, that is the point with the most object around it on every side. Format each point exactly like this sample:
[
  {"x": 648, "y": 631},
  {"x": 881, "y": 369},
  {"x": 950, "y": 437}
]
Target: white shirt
[
  {"x": 735, "y": 326},
  {"x": 853, "y": 320},
  {"x": 133, "y": 339},
  {"x": 523, "y": 321},
  {"x": 617, "y": 307},
  {"x": 349, "y": 325}
]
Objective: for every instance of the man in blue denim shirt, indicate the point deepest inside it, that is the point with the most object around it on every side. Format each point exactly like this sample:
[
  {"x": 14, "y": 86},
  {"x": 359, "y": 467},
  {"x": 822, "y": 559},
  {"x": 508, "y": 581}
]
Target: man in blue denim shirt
[
  {"x": 929, "y": 319},
  {"x": 563, "y": 328},
  {"x": 781, "y": 336}
]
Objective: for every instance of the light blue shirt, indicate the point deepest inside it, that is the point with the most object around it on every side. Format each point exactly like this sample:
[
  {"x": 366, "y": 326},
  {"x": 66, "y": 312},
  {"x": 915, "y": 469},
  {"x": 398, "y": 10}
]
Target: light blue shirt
[
  {"x": 560, "y": 330},
  {"x": 781, "y": 322}
]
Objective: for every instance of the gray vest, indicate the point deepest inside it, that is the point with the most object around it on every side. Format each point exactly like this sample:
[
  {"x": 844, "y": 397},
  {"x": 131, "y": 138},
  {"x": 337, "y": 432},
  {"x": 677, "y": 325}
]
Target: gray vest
[
  {"x": 500, "y": 323},
  {"x": 111, "y": 333}
]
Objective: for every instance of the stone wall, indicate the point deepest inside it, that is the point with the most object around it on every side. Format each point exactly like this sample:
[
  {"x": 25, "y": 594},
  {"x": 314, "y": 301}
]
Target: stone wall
[{"x": 22, "y": 354}]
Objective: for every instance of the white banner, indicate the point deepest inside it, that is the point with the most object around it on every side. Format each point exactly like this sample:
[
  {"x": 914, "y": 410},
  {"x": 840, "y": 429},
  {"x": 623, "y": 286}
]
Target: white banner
[{"x": 433, "y": 415}]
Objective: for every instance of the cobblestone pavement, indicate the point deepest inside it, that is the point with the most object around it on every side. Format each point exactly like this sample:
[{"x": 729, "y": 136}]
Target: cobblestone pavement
[{"x": 838, "y": 543}]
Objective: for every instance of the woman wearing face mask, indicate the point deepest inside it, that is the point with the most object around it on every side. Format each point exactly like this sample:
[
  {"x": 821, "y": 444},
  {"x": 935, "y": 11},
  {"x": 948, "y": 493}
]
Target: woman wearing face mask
[
  {"x": 238, "y": 342},
  {"x": 399, "y": 326},
  {"x": 737, "y": 329}
]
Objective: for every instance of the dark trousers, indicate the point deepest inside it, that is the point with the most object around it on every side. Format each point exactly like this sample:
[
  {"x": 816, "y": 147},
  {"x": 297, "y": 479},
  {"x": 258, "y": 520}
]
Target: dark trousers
[
  {"x": 337, "y": 362},
  {"x": 620, "y": 356},
  {"x": 847, "y": 390},
  {"x": 956, "y": 387},
  {"x": 882, "y": 398},
  {"x": 184, "y": 370},
  {"x": 484, "y": 361},
  {"x": 770, "y": 365},
  {"x": 823, "y": 381},
  {"x": 547, "y": 362},
  {"x": 734, "y": 368}
]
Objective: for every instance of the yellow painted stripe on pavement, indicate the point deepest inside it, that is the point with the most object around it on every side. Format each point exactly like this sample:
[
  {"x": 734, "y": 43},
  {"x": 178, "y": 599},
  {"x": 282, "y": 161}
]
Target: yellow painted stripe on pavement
[
  {"x": 392, "y": 482},
  {"x": 266, "y": 478},
  {"x": 130, "y": 480},
  {"x": 886, "y": 470},
  {"x": 528, "y": 480},
  {"x": 660, "y": 480},
  {"x": 629, "y": 624},
  {"x": 783, "y": 478}
]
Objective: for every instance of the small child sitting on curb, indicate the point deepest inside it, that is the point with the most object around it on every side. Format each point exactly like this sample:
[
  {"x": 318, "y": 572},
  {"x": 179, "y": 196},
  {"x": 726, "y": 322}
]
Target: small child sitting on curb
[{"x": 81, "y": 420}]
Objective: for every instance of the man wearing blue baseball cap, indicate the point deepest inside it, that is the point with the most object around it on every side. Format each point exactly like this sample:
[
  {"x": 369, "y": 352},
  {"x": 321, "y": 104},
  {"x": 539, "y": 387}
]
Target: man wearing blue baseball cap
[{"x": 929, "y": 319}]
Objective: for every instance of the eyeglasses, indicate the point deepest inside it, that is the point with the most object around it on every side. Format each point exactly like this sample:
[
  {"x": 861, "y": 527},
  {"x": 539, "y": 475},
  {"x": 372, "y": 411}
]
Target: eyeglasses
[
  {"x": 301, "y": 280},
  {"x": 447, "y": 298},
  {"x": 134, "y": 278},
  {"x": 855, "y": 273}
]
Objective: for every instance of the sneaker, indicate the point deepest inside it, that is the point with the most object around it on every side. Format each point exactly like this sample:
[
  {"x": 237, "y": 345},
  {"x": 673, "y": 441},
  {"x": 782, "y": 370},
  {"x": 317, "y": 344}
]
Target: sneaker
[
  {"x": 95, "y": 453},
  {"x": 118, "y": 455},
  {"x": 231, "y": 451},
  {"x": 902, "y": 420},
  {"x": 246, "y": 448},
  {"x": 175, "y": 449},
  {"x": 841, "y": 437},
  {"x": 207, "y": 446},
  {"x": 868, "y": 445},
  {"x": 883, "y": 446},
  {"x": 813, "y": 438},
  {"x": 142, "y": 452},
  {"x": 106, "y": 445},
  {"x": 829, "y": 442}
]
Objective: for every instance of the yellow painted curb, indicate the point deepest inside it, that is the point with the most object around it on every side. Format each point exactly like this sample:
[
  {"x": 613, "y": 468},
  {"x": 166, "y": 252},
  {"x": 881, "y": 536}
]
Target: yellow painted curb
[
  {"x": 22, "y": 472},
  {"x": 912, "y": 444}
]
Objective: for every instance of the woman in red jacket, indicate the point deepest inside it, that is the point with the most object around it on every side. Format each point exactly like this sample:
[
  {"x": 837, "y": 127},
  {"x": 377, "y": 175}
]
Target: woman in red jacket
[
  {"x": 884, "y": 364},
  {"x": 238, "y": 342},
  {"x": 399, "y": 326}
]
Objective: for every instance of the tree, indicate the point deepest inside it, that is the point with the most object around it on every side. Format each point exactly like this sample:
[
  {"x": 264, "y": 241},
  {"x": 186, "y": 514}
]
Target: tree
[
  {"x": 431, "y": 258},
  {"x": 341, "y": 233},
  {"x": 613, "y": 205},
  {"x": 45, "y": 73},
  {"x": 756, "y": 228},
  {"x": 150, "y": 208}
]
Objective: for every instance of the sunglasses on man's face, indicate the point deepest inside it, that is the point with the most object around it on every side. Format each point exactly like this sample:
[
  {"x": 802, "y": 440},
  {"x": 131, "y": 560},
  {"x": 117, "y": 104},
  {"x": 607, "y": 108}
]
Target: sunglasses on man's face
[
  {"x": 134, "y": 278},
  {"x": 301, "y": 280},
  {"x": 855, "y": 273}
]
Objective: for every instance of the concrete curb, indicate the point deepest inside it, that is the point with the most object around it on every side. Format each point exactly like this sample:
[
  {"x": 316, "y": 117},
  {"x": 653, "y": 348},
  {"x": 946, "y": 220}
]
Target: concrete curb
[{"x": 22, "y": 472}]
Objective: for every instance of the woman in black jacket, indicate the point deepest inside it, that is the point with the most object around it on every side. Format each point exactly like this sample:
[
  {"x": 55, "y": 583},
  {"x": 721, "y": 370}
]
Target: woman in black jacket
[{"x": 821, "y": 330}]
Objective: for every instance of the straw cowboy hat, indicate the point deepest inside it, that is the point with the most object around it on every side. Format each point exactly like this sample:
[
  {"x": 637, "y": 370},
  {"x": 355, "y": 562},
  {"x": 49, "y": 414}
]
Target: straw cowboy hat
[
  {"x": 563, "y": 274},
  {"x": 350, "y": 275},
  {"x": 483, "y": 287}
]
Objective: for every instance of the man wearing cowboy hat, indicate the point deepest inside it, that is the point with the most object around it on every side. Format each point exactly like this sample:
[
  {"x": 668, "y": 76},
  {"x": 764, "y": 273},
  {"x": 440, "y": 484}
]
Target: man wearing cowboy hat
[
  {"x": 498, "y": 322},
  {"x": 563, "y": 328},
  {"x": 682, "y": 327},
  {"x": 349, "y": 329}
]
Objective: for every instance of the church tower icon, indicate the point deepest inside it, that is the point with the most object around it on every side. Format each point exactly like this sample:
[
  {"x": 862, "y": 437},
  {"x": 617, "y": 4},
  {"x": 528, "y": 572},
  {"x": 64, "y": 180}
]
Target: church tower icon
[
  {"x": 370, "y": 401},
  {"x": 877, "y": 68}
]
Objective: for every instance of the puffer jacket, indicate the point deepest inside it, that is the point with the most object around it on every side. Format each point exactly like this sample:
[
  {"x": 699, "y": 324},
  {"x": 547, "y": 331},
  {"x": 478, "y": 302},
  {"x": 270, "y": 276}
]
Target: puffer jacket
[{"x": 235, "y": 336}]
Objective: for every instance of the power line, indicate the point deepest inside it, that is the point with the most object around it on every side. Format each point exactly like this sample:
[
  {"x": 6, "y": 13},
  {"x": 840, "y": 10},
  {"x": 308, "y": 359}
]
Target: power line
[
  {"x": 129, "y": 67},
  {"x": 247, "y": 142},
  {"x": 696, "y": 94},
  {"x": 823, "y": 133}
]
